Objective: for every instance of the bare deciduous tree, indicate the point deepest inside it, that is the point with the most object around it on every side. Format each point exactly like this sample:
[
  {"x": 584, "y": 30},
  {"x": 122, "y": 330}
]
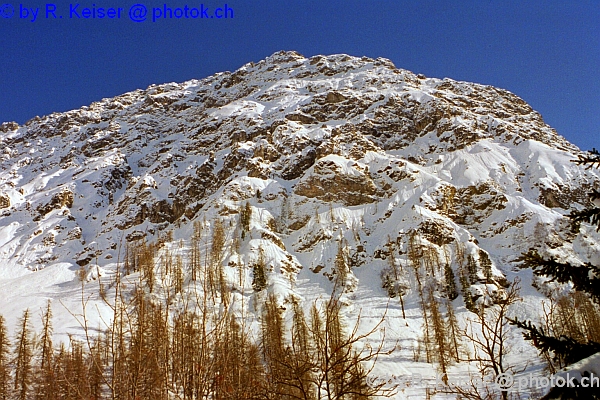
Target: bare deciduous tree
[
  {"x": 4, "y": 359},
  {"x": 489, "y": 333},
  {"x": 24, "y": 355}
]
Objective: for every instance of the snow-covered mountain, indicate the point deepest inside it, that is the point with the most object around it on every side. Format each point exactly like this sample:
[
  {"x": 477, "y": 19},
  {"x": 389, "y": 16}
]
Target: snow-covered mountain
[{"x": 332, "y": 154}]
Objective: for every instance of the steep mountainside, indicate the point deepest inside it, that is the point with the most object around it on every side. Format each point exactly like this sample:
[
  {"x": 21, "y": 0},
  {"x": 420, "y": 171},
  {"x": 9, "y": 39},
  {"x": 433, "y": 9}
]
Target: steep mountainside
[{"x": 325, "y": 156}]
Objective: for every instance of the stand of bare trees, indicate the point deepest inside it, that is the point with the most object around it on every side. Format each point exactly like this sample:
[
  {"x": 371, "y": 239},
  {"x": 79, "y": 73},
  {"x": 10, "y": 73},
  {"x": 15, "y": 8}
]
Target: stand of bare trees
[
  {"x": 174, "y": 333},
  {"x": 323, "y": 359},
  {"x": 436, "y": 287},
  {"x": 488, "y": 331}
]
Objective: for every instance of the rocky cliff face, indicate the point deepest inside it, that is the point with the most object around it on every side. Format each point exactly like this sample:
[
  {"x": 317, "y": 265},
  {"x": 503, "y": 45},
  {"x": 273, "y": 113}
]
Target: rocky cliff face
[
  {"x": 317, "y": 126},
  {"x": 329, "y": 152}
]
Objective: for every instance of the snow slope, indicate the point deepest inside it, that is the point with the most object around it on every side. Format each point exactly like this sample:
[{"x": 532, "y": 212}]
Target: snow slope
[{"x": 330, "y": 152}]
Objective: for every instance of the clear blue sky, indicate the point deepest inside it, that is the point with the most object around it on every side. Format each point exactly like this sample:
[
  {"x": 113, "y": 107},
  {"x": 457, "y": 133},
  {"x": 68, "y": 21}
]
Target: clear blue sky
[{"x": 547, "y": 52}]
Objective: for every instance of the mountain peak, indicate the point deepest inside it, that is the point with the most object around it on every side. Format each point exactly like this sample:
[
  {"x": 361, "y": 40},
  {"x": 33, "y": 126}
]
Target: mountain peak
[{"x": 323, "y": 157}]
